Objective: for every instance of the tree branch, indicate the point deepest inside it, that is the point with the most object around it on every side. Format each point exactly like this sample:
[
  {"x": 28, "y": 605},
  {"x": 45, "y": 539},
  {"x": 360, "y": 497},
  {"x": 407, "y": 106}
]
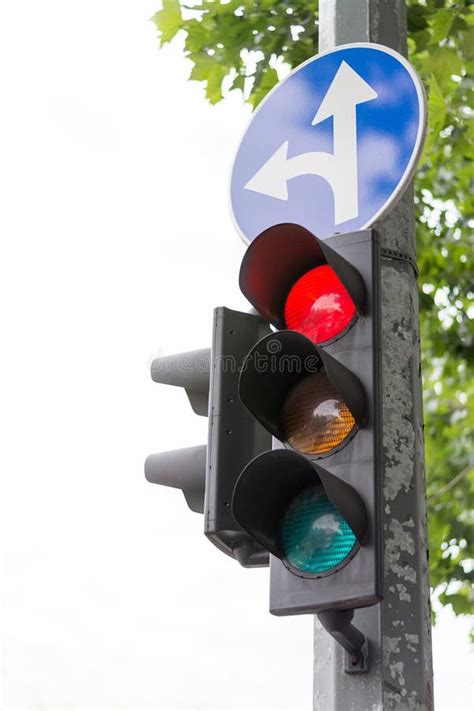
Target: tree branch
[{"x": 455, "y": 480}]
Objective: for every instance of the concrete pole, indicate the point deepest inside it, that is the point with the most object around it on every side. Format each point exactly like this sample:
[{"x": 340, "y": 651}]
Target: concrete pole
[{"x": 399, "y": 628}]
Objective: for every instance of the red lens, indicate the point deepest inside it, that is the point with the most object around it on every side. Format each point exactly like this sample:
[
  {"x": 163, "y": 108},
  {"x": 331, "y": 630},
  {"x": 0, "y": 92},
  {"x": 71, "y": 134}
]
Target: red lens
[{"x": 319, "y": 305}]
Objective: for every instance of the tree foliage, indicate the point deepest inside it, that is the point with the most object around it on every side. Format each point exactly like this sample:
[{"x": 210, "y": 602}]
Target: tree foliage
[{"x": 247, "y": 45}]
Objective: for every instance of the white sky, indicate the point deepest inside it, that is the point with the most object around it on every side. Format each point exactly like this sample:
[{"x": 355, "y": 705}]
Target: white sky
[{"x": 117, "y": 244}]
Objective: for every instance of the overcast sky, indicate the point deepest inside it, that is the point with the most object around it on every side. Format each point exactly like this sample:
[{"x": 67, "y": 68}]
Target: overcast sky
[{"x": 117, "y": 244}]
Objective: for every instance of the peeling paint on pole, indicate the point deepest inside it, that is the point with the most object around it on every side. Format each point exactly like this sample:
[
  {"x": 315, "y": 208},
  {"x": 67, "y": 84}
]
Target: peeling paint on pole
[{"x": 399, "y": 628}]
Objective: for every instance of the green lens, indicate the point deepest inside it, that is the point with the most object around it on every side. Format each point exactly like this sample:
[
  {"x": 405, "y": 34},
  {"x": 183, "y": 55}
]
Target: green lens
[{"x": 314, "y": 536}]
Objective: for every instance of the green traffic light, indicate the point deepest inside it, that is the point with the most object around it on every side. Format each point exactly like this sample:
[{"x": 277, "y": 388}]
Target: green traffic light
[{"x": 314, "y": 536}]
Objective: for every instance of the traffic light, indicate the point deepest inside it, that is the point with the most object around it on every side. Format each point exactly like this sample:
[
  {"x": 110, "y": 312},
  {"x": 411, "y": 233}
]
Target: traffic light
[
  {"x": 313, "y": 502},
  {"x": 207, "y": 474}
]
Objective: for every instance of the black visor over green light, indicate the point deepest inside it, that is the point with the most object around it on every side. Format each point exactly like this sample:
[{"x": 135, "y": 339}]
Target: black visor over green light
[{"x": 310, "y": 519}]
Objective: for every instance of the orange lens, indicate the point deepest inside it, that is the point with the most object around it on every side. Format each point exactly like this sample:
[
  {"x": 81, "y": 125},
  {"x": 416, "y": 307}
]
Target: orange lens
[{"x": 315, "y": 417}]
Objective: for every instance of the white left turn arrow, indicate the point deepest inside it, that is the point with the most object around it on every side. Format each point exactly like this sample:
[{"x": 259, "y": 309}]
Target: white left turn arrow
[{"x": 339, "y": 168}]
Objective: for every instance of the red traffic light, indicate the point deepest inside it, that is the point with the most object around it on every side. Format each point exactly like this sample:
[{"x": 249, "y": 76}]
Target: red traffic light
[
  {"x": 296, "y": 281},
  {"x": 319, "y": 305}
]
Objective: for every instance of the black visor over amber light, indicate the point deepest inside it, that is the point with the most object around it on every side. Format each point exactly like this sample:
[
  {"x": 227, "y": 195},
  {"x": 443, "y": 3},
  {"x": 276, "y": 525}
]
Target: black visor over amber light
[
  {"x": 296, "y": 281},
  {"x": 310, "y": 519},
  {"x": 301, "y": 394}
]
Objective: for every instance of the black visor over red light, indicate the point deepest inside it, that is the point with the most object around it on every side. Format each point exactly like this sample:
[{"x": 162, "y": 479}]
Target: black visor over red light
[{"x": 296, "y": 281}]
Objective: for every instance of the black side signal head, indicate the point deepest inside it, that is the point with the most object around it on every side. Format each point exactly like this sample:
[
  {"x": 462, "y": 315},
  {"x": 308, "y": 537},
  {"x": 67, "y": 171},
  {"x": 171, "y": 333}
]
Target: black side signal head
[
  {"x": 313, "y": 521},
  {"x": 295, "y": 280},
  {"x": 302, "y": 395}
]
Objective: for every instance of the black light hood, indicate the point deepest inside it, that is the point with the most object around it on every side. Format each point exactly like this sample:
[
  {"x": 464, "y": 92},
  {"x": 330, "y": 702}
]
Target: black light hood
[
  {"x": 277, "y": 363},
  {"x": 270, "y": 482},
  {"x": 276, "y": 259}
]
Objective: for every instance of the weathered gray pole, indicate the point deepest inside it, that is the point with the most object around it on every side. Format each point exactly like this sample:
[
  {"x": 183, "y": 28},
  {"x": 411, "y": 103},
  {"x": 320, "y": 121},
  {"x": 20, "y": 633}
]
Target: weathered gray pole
[{"x": 399, "y": 628}]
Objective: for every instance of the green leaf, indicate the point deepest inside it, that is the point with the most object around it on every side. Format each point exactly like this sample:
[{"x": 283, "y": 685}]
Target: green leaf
[
  {"x": 467, "y": 43},
  {"x": 239, "y": 82},
  {"x": 437, "y": 111},
  {"x": 214, "y": 82},
  {"x": 268, "y": 80},
  {"x": 168, "y": 20},
  {"x": 203, "y": 64},
  {"x": 461, "y": 601},
  {"x": 422, "y": 39},
  {"x": 417, "y": 17},
  {"x": 198, "y": 37},
  {"x": 443, "y": 63},
  {"x": 441, "y": 24}
]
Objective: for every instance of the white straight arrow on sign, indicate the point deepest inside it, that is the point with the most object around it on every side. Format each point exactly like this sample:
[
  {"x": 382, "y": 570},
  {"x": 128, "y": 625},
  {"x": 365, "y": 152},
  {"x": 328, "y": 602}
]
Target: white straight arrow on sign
[{"x": 339, "y": 168}]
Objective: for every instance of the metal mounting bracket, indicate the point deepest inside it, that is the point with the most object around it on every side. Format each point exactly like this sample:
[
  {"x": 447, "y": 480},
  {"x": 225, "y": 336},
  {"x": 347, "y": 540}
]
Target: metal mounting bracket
[
  {"x": 357, "y": 663},
  {"x": 355, "y": 644}
]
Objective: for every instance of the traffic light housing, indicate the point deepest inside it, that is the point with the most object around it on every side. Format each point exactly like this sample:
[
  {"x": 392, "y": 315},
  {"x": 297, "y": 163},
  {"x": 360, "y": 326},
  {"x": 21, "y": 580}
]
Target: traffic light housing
[
  {"x": 207, "y": 474},
  {"x": 314, "y": 501},
  {"x": 235, "y": 437}
]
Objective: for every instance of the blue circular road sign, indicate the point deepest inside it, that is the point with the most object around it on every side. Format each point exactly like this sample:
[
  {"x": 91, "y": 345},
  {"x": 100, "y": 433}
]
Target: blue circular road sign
[{"x": 333, "y": 145}]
